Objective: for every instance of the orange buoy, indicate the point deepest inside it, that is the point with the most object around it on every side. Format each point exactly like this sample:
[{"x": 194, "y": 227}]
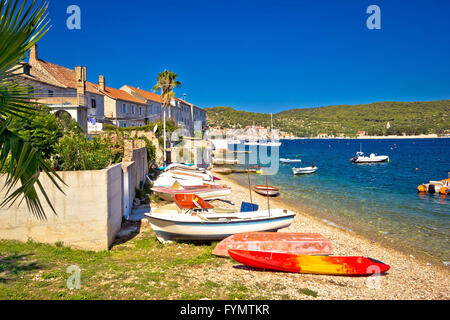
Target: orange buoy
[
  {"x": 422, "y": 188},
  {"x": 443, "y": 190}
]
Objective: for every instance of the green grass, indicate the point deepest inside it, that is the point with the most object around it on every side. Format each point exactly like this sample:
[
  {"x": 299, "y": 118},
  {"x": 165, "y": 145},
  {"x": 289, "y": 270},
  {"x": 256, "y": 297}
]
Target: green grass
[{"x": 140, "y": 268}]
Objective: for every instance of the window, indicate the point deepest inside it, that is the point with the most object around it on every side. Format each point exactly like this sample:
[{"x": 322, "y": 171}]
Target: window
[
  {"x": 140, "y": 111},
  {"x": 124, "y": 108},
  {"x": 132, "y": 108},
  {"x": 50, "y": 93},
  {"x": 93, "y": 103}
]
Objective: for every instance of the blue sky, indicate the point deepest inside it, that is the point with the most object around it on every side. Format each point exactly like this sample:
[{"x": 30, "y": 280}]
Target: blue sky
[{"x": 262, "y": 56}]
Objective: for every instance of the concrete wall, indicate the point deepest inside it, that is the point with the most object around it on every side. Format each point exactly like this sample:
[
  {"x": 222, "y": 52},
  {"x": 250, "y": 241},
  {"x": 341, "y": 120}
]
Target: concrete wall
[{"x": 88, "y": 216}]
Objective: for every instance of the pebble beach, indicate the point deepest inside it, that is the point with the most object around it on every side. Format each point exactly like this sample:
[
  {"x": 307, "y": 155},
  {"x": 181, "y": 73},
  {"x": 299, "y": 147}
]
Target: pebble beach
[{"x": 410, "y": 277}]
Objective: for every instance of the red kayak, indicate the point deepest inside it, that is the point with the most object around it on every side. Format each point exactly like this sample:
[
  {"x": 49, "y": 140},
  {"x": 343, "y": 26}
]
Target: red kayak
[
  {"x": 344, "y": 266},
  {"x": 283, "y": 242}
]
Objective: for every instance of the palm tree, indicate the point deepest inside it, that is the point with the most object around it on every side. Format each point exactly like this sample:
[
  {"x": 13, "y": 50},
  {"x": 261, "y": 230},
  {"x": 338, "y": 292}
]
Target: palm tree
[
  {"x": 21, "y": 26},
  {"x": 166, "y": 82}
]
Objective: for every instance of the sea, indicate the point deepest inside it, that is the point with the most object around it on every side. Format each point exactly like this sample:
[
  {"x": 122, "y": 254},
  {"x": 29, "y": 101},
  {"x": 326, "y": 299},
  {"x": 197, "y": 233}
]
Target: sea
[{"x": 379, "y": 200}]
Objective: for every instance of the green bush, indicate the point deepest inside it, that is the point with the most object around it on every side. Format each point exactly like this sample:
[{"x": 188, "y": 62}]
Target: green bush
[{"x": 77, "y": 152}]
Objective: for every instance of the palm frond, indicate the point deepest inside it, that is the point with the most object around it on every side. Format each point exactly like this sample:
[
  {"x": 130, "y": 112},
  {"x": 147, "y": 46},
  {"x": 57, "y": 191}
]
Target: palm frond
[{"x": 21, "y": 26}]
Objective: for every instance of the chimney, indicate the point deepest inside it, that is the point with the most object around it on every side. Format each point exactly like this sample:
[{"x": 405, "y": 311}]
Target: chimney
[
  {"x": 81, "y": 85},
  {"x": 33, "y": 53},
  {"x": 101, "y": 83}
]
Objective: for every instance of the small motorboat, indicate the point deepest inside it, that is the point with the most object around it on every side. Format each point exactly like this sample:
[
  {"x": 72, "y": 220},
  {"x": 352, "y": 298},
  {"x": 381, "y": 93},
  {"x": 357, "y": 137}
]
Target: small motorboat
[
  {"x": 373, "y": 158},
  {"x": 266, "y": 190},
  {"x": 286, "y": 242},
  {"x": 199, "y": 222},
  {"x": 304, "y": 170},
  {"x": 206, "y": 191},
  {"x": 285, "y": 160}
]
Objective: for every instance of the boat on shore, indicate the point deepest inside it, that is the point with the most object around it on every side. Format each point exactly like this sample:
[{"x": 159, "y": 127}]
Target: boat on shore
[
  {"x": 329, "y": 265},
  {"x": 283, "y": 242},
  {"x": 199, "y": 222},
  {"x": 304, "y": 170},
  {"x": 266, "y": 190},
  {"x": 208, "y": 191}
]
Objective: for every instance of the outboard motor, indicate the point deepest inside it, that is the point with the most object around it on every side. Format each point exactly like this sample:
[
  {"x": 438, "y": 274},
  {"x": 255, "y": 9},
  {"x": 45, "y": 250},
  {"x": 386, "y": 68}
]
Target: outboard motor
[{"x": 431, "y": 188}]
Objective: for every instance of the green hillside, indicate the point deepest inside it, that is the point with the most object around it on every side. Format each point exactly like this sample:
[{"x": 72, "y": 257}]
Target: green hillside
[{"x": 404, "y": 117}]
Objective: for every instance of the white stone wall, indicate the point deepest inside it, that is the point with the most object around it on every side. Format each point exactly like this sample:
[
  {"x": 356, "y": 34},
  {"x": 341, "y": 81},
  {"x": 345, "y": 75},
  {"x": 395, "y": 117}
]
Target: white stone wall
[{"x": 88, "y": 216}]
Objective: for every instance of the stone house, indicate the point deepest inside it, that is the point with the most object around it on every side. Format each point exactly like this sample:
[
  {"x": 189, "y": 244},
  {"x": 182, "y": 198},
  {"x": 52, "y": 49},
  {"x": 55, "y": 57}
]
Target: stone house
[
  {"x": 152, "y": 100},
  {"x": 64, "y": 90},
  {"x": 122, "y": 108}
]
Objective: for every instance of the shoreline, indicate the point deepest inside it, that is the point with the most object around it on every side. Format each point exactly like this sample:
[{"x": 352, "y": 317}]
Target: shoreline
[
  {"x": 432, "y": 136},
  {"x": 410, "y": 273}
]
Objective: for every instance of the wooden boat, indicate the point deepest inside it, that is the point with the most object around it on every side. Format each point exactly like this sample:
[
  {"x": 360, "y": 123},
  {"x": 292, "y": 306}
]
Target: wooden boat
[
  {"x": 283, "y": 242},
  {"x": 199, "y": 221},
  {"x": 266, "y": 190},
  {"x": 285, "y": 160},
  {"x": 344, "y": 266},
  {"x": 223, "y": 170},
  {"x": 441, "y": 186},
  {"x": 304, "y": 170},
  {"x": 208, "y": 191}
]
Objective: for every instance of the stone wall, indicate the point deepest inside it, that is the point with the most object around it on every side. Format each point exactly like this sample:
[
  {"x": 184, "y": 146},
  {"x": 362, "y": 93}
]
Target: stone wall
[{"x": 89, "y": 215}]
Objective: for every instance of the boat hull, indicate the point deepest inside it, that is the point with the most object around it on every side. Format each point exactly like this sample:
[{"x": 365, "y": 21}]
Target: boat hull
[
  {"x": 206, "y": 192},
  {"x": 330, "y": 265},
  {"x": 282, "y": 160},
  {"x": 168, "y": 229},
  {"x": 266, "y": 190},
  {"x": 303, "y": 170},
  {"x": 283, "y": 242}
]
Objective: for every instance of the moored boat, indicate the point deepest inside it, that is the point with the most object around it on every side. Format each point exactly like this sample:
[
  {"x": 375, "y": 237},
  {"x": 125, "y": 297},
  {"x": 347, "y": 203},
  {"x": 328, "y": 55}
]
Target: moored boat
[
  {"x": 330, "y": 265},
  {"x": 266, "y": 190},
  {"x": 285, "y": 160},
  {"x": 442, "y": 187},
  {"x": 283, "y": 242},
  {"x": 373, "y": 158},
  {"x": 304, "y": 170}
]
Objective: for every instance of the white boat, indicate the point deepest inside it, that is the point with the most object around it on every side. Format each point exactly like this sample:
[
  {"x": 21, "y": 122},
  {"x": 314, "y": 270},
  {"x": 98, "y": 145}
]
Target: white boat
[
  {"x": 207, "y": 191},
  {"x": 199, "y": 224},
  {"x": 373, "y": 158},
  {"x": 169, "y": 181},
  {"x": 304, "y": 170},
  {"x": 270, "y": 143},
  {"x": 285, "y": 160}
]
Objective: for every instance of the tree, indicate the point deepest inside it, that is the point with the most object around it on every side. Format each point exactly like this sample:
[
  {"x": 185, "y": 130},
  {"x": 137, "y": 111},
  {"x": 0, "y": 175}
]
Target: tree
[
  {"x": 166, "y": 82},
  {"x": 21, "y": 26}
]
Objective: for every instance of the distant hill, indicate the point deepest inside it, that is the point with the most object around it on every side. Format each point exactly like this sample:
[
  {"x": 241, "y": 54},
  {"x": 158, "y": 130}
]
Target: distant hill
[{"x": 404, "y": 117}]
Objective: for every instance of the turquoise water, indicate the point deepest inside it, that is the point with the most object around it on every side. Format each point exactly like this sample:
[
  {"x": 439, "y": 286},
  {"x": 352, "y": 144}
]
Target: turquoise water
[{"x": 380, "y": 198}]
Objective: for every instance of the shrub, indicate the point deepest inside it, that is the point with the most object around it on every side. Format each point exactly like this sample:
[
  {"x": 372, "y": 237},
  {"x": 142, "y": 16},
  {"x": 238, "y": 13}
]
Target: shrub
[{"x": 77, "y": 152}]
